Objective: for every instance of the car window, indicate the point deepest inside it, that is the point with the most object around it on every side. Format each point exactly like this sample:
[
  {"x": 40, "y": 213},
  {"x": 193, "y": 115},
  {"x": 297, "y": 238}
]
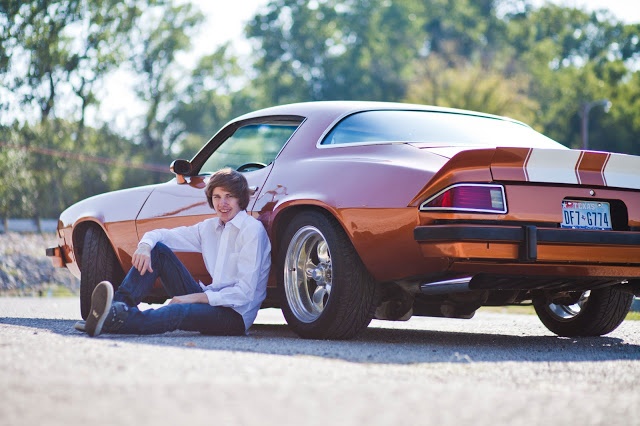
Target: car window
[
  {"x": 255, "y": 143},
  {"x": 437, "y": 128}
]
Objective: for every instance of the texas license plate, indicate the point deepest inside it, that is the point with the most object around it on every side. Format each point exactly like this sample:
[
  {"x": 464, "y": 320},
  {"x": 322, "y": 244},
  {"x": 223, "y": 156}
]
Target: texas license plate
[{"x": 586, "y": 215}]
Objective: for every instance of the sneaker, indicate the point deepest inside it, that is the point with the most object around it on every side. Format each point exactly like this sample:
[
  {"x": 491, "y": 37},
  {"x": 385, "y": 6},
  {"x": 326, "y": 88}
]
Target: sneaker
[
  {"x": 80, "y": 326},
  {"x": 101, "y": 299},
  {"x": 116, "y": 318}
]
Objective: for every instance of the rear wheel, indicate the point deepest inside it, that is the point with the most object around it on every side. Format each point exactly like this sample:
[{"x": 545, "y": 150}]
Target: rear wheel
[
  {"x": 592, "y": 313},
  {"x": 326, "y": 292},
  {"x": 99, "y": 263}
]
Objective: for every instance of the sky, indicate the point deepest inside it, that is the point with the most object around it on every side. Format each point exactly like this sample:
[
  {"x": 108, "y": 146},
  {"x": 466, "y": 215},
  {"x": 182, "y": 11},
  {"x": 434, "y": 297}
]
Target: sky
[{"x": 226, "y": 24}]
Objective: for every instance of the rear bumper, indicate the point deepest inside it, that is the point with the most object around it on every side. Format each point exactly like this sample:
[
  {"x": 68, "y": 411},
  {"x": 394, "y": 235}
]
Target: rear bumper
[{"x": 529, "y": 243}]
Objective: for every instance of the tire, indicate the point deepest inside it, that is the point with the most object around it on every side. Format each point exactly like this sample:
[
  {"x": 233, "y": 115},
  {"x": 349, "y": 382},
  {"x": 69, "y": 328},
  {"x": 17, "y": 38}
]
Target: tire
[
  {"x": 99, "y": 263},
  {"x": 325, "y": 290},
  {"x": 596, "y": 313}
]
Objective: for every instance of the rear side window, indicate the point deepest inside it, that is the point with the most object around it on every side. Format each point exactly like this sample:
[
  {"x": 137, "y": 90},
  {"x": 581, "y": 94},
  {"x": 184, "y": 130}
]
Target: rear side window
[{"x": 434, "y": 128}]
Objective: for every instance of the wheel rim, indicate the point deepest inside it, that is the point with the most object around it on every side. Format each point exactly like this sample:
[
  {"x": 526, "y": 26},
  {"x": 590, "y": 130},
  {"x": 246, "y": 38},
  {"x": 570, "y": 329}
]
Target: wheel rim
[
  {"x": 308, "y": 274},
  {"x": 568, "y": 312}
]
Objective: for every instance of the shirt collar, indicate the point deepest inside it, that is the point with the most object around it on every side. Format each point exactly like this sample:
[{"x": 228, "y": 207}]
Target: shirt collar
[{"x": 237, "y": 221}]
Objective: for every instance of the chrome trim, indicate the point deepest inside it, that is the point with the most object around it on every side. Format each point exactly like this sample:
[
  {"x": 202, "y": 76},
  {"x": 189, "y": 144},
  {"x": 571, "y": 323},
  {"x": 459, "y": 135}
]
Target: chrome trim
[
  {"x": 490, "y": 185},
  {"x": 455, "y": 285}
]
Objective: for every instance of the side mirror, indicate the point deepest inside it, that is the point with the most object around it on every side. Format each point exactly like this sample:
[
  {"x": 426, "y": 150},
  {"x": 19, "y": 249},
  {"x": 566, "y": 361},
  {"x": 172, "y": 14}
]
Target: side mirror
[{"x": 180, "y": 168}]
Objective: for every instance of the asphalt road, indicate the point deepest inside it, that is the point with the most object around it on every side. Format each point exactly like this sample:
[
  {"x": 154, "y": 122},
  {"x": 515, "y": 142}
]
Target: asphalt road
[{"x": 495, "y": 369}]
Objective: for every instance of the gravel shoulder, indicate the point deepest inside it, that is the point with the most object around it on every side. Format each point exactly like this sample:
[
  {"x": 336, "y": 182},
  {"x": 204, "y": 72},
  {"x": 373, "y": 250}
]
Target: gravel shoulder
[
  {"x": 493, "y": 369},
  {"x": 25, "y": 270}
]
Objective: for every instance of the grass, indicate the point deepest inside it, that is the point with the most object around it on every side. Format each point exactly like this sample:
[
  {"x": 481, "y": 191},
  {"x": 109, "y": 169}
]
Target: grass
[
  {"x": 633, "y": 316},
  {"x": 528, "y": 310},
  {"x": 47, "y": 290},
  {"x": 514, "y": 309}
]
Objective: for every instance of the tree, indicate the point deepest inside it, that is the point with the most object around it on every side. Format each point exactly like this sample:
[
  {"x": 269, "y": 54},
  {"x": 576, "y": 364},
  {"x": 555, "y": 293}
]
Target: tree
[
  {"x": 214, "y": 96},
  {"x": 318, "y": 50},
  {"x": 163, "y": 33},
  {"x": 572, "y": 57},
  {"x": 51, "y": 51},
  {"x": 67, "y": 47},
  {"x": 472, "y": 86}
]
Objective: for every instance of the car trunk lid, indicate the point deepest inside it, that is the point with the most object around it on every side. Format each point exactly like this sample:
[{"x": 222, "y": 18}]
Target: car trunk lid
[
  {"x": 532, "y": 165},
  {"x": 572, "y": 167}
]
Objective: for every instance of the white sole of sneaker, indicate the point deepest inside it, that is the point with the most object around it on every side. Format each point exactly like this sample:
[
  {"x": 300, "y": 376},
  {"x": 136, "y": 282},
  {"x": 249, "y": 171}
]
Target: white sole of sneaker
[
  {"x": 80, "y": 326},
  {"x": 101, "y": 299}
]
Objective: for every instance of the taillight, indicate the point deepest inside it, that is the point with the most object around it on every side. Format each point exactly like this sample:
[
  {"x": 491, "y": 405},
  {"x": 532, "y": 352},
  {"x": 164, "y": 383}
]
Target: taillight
[{"x": 470, "y": 197}]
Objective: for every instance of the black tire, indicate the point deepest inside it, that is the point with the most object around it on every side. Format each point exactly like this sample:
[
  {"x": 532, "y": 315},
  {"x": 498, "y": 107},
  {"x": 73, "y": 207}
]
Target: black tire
[
  {"x": 599, "y": 312},
  {"x": 332, "y": 295},
  {"x": 99, "y": 263}
]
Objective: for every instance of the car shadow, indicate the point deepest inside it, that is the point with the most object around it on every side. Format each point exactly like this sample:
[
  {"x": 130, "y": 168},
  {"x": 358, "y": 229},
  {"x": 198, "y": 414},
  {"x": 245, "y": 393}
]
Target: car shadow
[{"x": 378, "y": 345}]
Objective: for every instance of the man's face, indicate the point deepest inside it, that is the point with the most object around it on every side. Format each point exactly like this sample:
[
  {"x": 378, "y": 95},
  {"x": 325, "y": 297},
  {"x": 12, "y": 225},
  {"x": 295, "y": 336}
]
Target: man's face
[{"x": 225, "y": 204}]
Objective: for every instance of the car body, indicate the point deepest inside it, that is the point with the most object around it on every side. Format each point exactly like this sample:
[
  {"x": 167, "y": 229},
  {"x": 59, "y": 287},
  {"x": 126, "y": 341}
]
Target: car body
[{"x": 387, "y": 210}]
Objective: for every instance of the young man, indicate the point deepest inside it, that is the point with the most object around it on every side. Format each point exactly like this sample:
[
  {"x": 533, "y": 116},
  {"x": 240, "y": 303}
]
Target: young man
[{"x": 236, "y": 252}]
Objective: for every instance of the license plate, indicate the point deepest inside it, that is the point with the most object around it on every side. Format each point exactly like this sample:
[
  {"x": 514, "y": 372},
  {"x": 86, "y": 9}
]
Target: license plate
[{"x": 586, "y": 215}]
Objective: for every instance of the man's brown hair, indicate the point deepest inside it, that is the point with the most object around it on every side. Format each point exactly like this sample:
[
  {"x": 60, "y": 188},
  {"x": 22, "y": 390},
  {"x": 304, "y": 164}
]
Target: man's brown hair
[{"x": 231, "y": 181}]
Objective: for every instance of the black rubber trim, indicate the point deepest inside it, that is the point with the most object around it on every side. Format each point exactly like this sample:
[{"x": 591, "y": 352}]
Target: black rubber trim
[
  {"x": 524, "y": 233},
  {"x": 528, "y": 236}
]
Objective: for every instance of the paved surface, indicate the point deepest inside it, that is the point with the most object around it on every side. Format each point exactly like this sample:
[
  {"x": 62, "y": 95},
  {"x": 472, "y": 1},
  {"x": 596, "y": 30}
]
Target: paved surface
[{"x": 495, "y": 369}]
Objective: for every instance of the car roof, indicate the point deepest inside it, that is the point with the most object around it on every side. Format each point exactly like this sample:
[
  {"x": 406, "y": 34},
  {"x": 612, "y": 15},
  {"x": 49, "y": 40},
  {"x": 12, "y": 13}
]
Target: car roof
[{"x": 342, "y": 108}]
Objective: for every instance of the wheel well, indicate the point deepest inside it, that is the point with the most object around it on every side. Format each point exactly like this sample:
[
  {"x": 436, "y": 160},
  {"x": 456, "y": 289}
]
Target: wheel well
[
  {"x": 287, "y": 215},
  {"x": 79, "y": 233}
]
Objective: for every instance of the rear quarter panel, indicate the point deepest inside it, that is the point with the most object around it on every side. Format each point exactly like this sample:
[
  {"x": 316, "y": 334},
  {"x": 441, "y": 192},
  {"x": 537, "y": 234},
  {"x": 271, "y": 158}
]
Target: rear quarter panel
[{"x": 367, "y": 188}]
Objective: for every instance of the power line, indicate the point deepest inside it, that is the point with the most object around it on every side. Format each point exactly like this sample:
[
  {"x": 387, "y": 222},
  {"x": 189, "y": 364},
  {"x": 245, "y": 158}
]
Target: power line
[{"x": 86, "y": 157}]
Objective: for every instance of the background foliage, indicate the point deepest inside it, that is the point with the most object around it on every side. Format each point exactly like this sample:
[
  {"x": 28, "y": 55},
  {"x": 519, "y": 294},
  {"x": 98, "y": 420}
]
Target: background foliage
[{"x": 507, "y": 57}]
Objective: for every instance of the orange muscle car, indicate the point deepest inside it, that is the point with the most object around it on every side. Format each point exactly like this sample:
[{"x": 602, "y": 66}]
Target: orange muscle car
[{"x": 383, "y": 210}]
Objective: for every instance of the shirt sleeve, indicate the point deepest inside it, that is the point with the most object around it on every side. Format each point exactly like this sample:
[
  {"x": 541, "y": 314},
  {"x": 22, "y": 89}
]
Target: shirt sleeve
[
  {"x": 183, "y": 238},
  {"x": 253, "y": 257}
]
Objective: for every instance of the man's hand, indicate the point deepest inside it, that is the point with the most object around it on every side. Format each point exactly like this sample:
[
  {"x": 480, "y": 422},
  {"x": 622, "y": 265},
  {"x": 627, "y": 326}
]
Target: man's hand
[
  {"x": 190, "y": 298},
  {"x": 142, "y": 258}
]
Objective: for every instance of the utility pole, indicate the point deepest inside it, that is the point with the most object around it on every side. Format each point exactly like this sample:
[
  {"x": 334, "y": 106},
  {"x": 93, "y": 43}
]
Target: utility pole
[{"x": 586, "y": 108}]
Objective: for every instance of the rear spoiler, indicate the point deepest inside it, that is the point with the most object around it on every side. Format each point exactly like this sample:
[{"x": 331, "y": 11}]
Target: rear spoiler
[{"x": 569, "y": 166}]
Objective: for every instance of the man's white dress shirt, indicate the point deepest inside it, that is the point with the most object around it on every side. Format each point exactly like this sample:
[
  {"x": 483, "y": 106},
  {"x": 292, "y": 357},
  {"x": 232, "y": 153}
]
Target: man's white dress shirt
[{"x": 237, "y": 255}]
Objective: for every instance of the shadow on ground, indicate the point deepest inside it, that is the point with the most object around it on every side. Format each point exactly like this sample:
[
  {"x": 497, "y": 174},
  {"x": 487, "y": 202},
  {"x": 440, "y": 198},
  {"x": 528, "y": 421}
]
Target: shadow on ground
[{"x": 377, "y": 345}]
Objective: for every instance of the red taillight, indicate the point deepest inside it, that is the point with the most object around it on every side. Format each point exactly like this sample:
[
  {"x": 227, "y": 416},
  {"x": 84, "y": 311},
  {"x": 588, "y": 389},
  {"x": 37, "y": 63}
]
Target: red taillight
[{"x": 469, "y": 197}]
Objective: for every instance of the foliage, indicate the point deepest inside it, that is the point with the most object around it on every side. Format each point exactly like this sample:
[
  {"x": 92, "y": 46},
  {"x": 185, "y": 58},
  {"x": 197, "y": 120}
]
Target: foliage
[
  {"x": 472, "y": 86},
  {"x": 162, "y": 35},
  {"x": 66, "y": 46},
  {"x": 46, "y": 175},
  {"x": 334, "y": 49},
  {"x": 210, "y": 100}
]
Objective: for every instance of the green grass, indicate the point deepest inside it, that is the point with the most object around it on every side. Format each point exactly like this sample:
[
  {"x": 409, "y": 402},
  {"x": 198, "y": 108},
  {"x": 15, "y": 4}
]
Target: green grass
[
  {"x": 633, "y": 316},
  {"x": 46, "y": 290},
  {"x": 515, "y": 309},
  {"x": 528, "y": 310}
]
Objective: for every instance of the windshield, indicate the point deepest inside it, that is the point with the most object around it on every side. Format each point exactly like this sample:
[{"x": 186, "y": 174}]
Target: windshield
[{"x": 434, "y": 128}]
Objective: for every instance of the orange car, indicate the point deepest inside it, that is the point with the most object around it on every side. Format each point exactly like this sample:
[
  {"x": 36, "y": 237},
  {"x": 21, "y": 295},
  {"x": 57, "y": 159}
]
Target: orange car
[{"x": 381, "y": 210}]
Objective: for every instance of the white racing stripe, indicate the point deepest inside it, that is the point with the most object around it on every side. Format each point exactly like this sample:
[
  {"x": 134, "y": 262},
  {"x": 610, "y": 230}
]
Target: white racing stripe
[
  {"x": 552, "y": 166},
  {"x": 622, "y": 171}
]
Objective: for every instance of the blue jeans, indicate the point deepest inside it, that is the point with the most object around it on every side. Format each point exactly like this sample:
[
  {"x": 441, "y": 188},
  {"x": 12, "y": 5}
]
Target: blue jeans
[{"x": 177, "y": 281}]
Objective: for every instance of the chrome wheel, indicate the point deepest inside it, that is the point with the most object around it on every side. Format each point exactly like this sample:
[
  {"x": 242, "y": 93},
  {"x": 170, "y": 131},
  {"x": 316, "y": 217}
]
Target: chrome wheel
[
  {"x": 594, "y": 313},
  {"x": 308, "y": 274},
  {"x": 567, "y": 312}
]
